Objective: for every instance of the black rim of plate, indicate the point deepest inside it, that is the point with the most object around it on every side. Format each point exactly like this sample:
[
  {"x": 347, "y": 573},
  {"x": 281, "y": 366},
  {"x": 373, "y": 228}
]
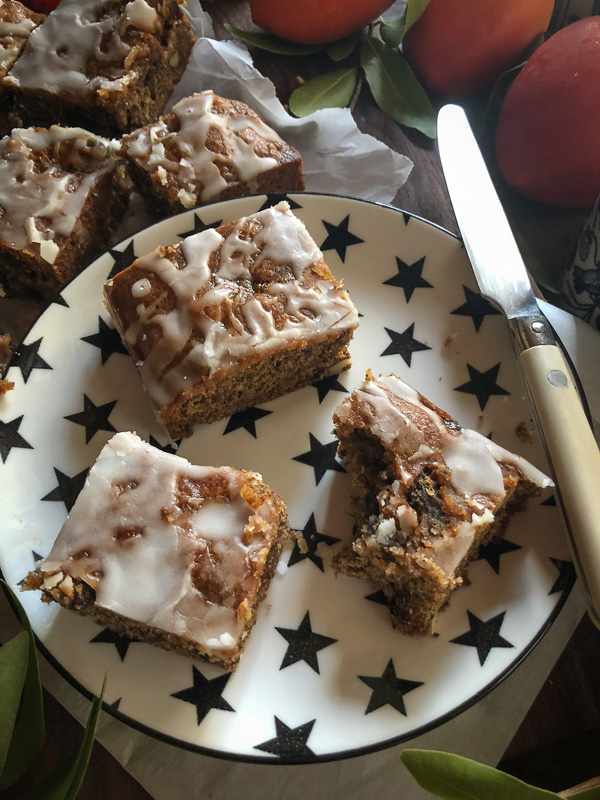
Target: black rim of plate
[{"x": 275, "y": 197}]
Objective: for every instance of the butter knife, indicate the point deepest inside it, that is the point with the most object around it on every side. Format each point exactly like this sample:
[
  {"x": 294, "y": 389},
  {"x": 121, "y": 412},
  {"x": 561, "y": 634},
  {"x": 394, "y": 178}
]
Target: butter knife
[{"x": 572, "y": 451}]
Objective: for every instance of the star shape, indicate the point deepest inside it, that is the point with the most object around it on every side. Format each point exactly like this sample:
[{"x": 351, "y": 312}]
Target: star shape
[
  {"x": 378, "y": 597},
  {"x": 566, "y": 576},
  {"x": 276, "y": 197},
  {"x": 409, "y": 277},
  {"x": 388, "y": 689},
  {"x": 10, "y": 437},
  {"x": 172, "y": 447},
  {"x": 313, "y": 539},
  {"x": 245, "y": 419},
  {"x": 303, "y": 644},
  {"x": 205, "y": 694},
  {"x": 27, "y": 358},
  {"x": 107, "y": 340},
  {"x": 199, "y": 226},
  {"x": 482, "y": 384},
  {"x": 549, "y": 501},
  {"x": 483, "y": 635},
  {"x": 404, "y": 344},
  {"x": 122, "y": 643},
  {"x": 68, "y": 488},
  {"x": 93, "y": 418},
  {"x": 339, "y": 237},
  {"x": 476, "y": 307},
  {"x": 329, "y": 384},
  {"x": 492, "y": 551},
  {"x": 289, "y": 741},
  {"x": 59, "y": 300},
  {"x": 36, "y": 557},
  {"x": 122, "y": 259},
  {"x": 115, "y": 704},
  {"x": 320, "y": 457}
]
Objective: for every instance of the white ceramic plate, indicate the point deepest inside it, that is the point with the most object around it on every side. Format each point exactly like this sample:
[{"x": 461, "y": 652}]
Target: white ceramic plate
[{"x": 324, "y": 674}]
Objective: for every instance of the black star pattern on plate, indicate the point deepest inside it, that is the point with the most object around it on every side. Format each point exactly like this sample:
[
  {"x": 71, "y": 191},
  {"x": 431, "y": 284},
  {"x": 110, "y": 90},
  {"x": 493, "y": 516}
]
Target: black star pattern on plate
[
  {"x": 199, "y": 226},
  {"x": 107, "y": 636},
  {"x": 329, "y": 384},
  {"x": 492, "y": 551},
  {"x": 566, "y": 576},
  {"x": 476, "y": 307},
  {"x": 388, "y": 689},
  {"x": 245, "y": 419},
  {"x": 68, "y": 488},
  {"x": 378, "y": 597},
  {"x": 59, "y": 300},
  {"x": 205, "y": 694},
  {"x": 303, "y": 644},
  {"x": 404, "y": 344},
  {"x": 27, "y": 358},
  {"x": 483, "y": 635},
  {"x": 276, "y": 197},
  {"x": 320, "y": 457},
  {"x": 549, "y": 501},
  {"x": 171, "y": 447},
  {"x": 10, "y": 437},
  {"x": 93, "y": 418},
  {"x": 482, "y": 384},
  {"x": 107, "y": 340},
  {"x": 409, "y": 277},
  {"x": 313, "y": 539},
  {"x": 115, "y": 704},
  {"x": 289, "y": 742},
  {"x": 122, "y": 259},
  {"x": 339, "y": 238},
  {"x": 36, "y": 557}
]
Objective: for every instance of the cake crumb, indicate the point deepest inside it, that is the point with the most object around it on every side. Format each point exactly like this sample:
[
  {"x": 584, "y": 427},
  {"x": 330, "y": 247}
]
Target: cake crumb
[{"x": 524, "y": 432}]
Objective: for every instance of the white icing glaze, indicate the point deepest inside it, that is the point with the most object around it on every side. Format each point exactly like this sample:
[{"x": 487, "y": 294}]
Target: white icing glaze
[
  {"x": 76, "y": 33},
  {"x": 202, "y": 297},
  {"x": 139, "y": 14},
  {"x": 128, "y": 537},
  {"x": 15, "y": 28},
  {"x": 36, "y": 206},
  {"x": 194, "y": 168}
]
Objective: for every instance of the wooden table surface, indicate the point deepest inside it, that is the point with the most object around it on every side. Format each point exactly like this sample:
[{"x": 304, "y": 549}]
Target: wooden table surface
[{"x": 558, "y": 743}]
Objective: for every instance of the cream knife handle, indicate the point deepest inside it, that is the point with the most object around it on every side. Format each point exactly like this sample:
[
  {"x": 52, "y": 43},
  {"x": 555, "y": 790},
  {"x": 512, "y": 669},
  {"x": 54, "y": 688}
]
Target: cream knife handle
[{"x": 574, "y": 459}]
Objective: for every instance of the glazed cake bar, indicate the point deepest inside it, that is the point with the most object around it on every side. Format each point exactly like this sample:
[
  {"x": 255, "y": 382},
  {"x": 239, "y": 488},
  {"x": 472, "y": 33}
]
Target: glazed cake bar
[
  {"x": 109, "y": 65},
  {"x": 209, "y": 148},
  {"x": 166, "y": 552},
  {"x": 60, "y": 190},
  {"x": 427, "y": 493},
  {"x": 231, "y": 317}
]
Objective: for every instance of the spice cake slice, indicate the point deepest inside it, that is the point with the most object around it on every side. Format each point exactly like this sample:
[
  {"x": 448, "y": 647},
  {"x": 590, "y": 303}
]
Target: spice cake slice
[
  {"x": 427, "y": 493},
  {"x": 166, "y": 552},
  {"x": 108, "y": 65},
  {"x": 231, "y": 317},
  {"x": 60, "y": 191},
  {"x": 209, "y": 148}
]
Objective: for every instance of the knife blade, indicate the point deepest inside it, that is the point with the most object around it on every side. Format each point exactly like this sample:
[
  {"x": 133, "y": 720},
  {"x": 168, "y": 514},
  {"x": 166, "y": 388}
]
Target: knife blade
[{"x": 569, "y": 442}]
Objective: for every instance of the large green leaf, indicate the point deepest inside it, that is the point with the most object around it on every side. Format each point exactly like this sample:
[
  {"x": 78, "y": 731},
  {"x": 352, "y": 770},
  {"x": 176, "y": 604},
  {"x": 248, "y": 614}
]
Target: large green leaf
[
  {"x": 392, "y": 30},
  {"x": 453, "y": 777},
  {"x": 28, "y": 734},
  {"x": 331, "y": 90},
  {"x": 414, "y": 9},
  {"x": 64, "y": 783},
  {"x": 395, "y": 88},
  {"x": 266, "y": 41},
  {"x": 338, "y": 51},
  {"x": 14, "y": 656}
]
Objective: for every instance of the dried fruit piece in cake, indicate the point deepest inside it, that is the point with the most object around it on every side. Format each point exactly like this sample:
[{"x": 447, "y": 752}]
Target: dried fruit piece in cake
[
  {"x": 16, "y": 24},
  {"x": 166, "y": 552},
  {"x": 109, "y": 65},
  {"x": 231, "y": 317},
  {"x": 59, "y": 193},
  {"x": 208, "y": 148},
  {"x": 426, "y": 494}
]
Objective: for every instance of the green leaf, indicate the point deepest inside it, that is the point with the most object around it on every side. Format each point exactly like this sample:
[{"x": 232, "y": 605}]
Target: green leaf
[
  {"x": 392, "y": 30},
  {"x": 14, "y": 656},
  {"x": 456, "y": 778},
  {"x": 65, "y": 782},
  {"x": 338, "y": 51},
  {"x": 266, "y": 41},
  {"x": 395, "y": 88},
  {"x": 28, "y": 734},
  {"x": 414, "y": 9},
  {"x": 331, "y": 90}
]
